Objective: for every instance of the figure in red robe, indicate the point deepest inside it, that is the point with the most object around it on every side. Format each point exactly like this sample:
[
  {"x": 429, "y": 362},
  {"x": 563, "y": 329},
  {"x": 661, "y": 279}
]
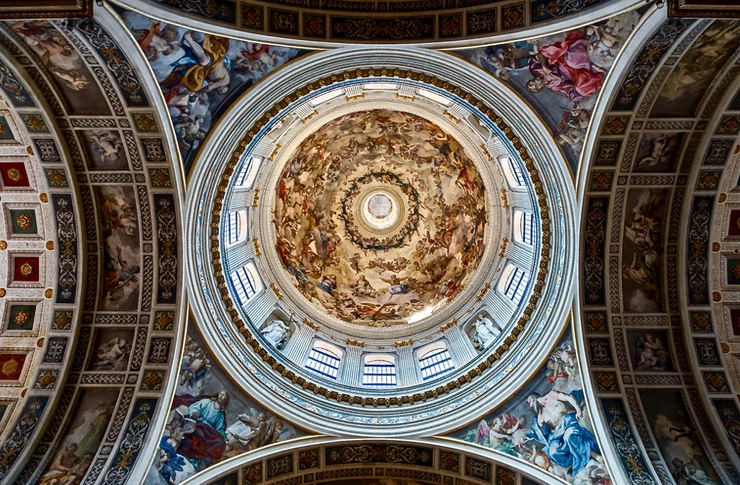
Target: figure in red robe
[{"x": 565, "y": 68}]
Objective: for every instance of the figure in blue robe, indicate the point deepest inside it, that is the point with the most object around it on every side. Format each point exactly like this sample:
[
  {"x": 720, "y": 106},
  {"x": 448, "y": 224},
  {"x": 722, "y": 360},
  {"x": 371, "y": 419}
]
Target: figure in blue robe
[{"x": 567, "y": 444}]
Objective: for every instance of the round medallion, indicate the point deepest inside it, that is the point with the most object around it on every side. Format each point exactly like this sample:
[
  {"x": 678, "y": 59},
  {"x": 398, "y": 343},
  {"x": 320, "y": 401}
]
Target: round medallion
[
  {"x": 26, "y": 269},
  {"x": 23, "y": 221},
  {"x": 14, "y": 174},
  {"x": 21, "y": 318},
  {"x": 379, "y": 207}
]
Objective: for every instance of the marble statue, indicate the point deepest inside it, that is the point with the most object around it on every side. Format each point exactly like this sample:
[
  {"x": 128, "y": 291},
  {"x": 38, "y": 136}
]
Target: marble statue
[
  {"x": 486, "y": 332},
  {"x": 276, "y": 332}
]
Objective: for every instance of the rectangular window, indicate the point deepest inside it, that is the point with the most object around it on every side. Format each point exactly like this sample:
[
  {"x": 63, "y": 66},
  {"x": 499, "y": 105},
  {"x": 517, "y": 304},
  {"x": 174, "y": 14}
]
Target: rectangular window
[
  {"x": 435, "y": 363},
  {"x": 248, "y": 172},
  {"x": 516, "y": 285},
  {"x": 233, "y": 228},
  {"x": 323, "y": 362},
  {"x": 244, "y": 285},
  {"x": 516, "y": 171},
  {"x": 379, "y": 373},
  {"x": 527, "y": 221}
]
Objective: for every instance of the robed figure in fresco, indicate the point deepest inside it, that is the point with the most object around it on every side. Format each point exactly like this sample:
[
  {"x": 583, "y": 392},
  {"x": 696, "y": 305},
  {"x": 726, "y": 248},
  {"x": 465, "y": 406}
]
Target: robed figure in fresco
[
  {"x": 204, "y": 430},
  {"x": 567, "y": 443},
  {"x": 564, "y": 67}
]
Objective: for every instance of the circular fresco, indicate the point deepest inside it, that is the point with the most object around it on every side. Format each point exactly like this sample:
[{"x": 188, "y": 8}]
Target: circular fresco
[{"x": 380, "y": 217}]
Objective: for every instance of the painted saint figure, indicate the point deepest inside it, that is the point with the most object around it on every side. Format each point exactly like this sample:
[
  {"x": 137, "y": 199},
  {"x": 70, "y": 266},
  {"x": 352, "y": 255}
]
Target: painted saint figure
[
  {"x": 203, "y": 432},
  {"x": 565, "y": 68},
  {"x": 557, "y": 426}
]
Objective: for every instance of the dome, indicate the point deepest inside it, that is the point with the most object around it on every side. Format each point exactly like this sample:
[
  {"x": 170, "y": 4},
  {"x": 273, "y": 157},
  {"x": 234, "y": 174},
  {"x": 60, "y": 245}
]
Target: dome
[
  {"x": 380, "y": 217},
  {"x": 381, "y": 245}
]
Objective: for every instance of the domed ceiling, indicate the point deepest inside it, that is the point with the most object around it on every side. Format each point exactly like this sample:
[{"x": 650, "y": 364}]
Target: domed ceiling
[
  {"x": 380, "y": 216},
  {"x": 381, "y": 244},
  {"x": 371, "y": 220}
]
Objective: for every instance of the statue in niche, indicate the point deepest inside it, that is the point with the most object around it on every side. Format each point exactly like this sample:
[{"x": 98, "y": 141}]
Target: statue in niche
[
  {"x": 486, "y": 332},
  {"x": 276, "y": 332}
]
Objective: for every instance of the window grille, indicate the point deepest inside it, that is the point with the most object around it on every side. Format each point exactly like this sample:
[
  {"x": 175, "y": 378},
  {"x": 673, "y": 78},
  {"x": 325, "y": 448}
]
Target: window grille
[
  {"x": 233, "y": 227},
  {"x": 248, "y": 172},
  {"x": 435, "y": 363},
  {"x": 526, "y": 227},
  {"x": 516, "y": 284},
  {"x": 379, "y": 373},
  {"x": 245, "y": 284},
  {"x": 516, "y": 171},
  {"x": 324, "y": 362}
]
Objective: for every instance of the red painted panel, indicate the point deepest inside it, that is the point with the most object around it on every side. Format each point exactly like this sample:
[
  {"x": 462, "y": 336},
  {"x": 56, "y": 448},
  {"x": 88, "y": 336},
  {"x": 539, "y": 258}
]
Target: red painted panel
[
  {"x": 26, "y": 268},
  {"x": 734, "y": 229},
  {"x": 14, "y": 174},
  {"x": 11, "y": 366}
]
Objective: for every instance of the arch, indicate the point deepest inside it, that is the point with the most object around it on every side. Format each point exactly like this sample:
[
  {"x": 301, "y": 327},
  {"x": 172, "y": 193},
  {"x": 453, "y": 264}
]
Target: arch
[{"x": 445, "y": 460}]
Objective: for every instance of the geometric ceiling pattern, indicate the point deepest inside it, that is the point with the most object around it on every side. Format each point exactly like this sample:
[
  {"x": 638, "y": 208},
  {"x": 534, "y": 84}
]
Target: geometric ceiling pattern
[
  {"x": 107, "y": 376},
  {"x": 357, "y": 22}
]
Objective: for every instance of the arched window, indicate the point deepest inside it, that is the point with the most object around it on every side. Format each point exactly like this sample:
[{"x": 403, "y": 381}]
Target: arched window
[
  {"x": 435, "y": 360},
  {"x": 512, "y": 171},
  {"x": 236, "y": 227},
  {"x": 248, "y": 172},
  {"x": 513, "y": 283},
  {"x": 327, "y": 96},
  {"x": 324, "y": 359},
  {"x": 437, "y": 98},
  {"x": 379, "y": 371},
  {"x": 247, "y": 282},
  {"x": 524, "y": 227}
]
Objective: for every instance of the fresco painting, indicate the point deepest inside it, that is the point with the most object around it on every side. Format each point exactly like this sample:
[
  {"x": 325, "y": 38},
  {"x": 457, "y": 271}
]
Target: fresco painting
[
  {"x": 560, "y": 75},
  {"x": 658, "y": 152},
  {"x": 201, "y": 74},
  {"x": 67, "y": 68},
  {"x": 104, "y": 149},
  {"x": 677, "y": 438},
  {"x": 337, "y": 259},
  {"x": 730, "y": 417},
  {"x": 547, "y": 423},
  {"x": 650, "y": 351},
  {"x": 686, "y": 86},
  {"x": 112, "y": 349},
  {"x": 119, "y": 225},
  {"x": 642, "y": 253},
  {"x": 210, "y": 420},
  {"x": 78, "y": 447}
]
